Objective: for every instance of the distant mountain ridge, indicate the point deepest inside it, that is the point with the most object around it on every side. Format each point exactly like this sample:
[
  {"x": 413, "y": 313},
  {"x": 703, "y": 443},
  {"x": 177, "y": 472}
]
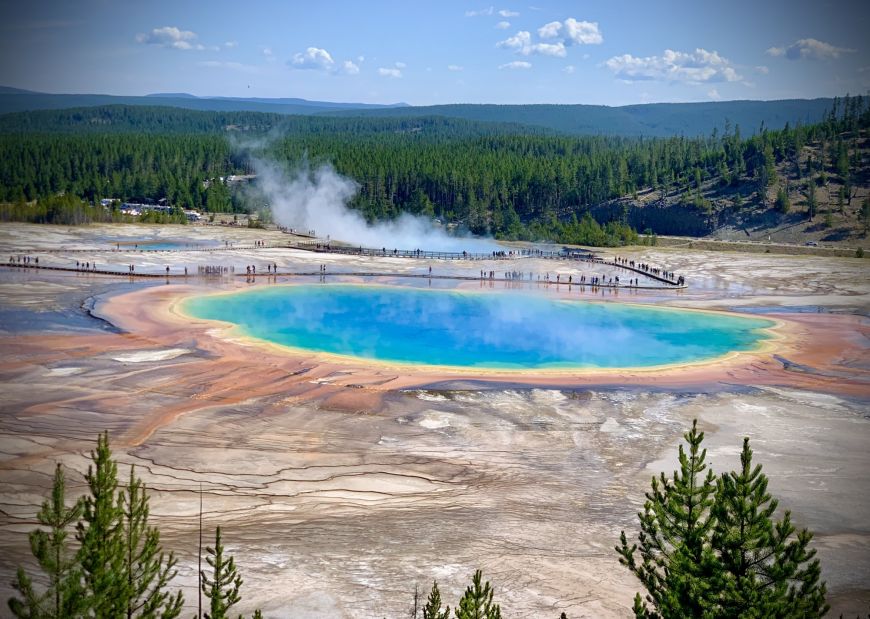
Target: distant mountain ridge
[
  {"x": 651, "y": 120},
  {"x": 280, "y": 101},
  {"x": 648, "y": 119}
]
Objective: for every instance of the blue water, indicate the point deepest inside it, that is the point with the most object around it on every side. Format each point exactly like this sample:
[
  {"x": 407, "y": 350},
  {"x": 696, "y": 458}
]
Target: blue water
[{"x": 477, "y": 329}]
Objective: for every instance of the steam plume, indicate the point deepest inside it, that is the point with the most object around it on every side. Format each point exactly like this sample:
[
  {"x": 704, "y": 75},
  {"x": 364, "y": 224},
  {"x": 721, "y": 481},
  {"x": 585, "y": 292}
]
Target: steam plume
[{"x": 317, "y": 199}]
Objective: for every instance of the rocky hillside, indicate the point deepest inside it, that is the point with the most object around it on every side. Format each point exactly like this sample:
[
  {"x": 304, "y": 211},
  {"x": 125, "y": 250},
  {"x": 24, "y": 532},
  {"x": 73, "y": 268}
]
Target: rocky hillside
[{"x": 813, "y": 196}]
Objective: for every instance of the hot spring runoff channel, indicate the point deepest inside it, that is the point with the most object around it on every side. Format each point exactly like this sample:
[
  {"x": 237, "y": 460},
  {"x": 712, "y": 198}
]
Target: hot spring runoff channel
[{"x": 477, "y": 329}]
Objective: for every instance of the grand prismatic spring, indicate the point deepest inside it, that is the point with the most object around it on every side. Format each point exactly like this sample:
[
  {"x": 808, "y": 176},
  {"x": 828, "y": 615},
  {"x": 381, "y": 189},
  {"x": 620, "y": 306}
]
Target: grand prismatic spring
[
  {"x": 355, "y": 425},
  {"x": 483, "y": 330}
]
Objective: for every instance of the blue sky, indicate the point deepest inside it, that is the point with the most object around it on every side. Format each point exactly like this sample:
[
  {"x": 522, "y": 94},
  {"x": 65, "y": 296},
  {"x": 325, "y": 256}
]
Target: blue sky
[{"x": 612, "y": 53}]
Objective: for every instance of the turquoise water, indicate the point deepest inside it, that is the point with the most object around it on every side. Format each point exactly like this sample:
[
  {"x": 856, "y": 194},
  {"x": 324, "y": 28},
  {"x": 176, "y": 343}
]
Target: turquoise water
[{"x": 486, "y": 330}]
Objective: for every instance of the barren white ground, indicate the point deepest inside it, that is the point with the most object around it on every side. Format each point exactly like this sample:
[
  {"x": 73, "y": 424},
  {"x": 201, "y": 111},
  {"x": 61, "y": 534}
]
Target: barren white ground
[{"x": 337, "y": 513}]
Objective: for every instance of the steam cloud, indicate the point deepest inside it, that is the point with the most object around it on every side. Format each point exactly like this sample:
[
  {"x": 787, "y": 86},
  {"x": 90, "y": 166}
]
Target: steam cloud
[{"x": 317, "y": 199}]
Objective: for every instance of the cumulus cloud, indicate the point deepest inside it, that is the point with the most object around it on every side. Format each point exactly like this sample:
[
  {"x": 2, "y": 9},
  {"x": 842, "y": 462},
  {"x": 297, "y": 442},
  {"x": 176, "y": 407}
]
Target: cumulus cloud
[
  {"x": 568, "y": 69},
  {"x": 517, "y": 64},
  {"x": 314, "y": 58},
  {"x": 521, "y": 43},
  {"x": 810, "y": 49},
  {"x": 508, "y": 13},
  {"x": 696, "y": 67},
  {"x": 318, "y": 59},
  {"x": 572, "y": 32},
  {"x": 551, "y": 30},
  {"x": 385, "y": 72},
  {"x": 582, "y": 32},
  {"x": 401, "y": 65},
  {"x": 487, "y": 11},
  {"x": 170, "y": 37},
  {"x": 714, "y": 94},
  {"x": 762, "y": 69},
  {"x": 454, "y": 67},
  {"x": 503, "y": 25},
  {"x": 522, "y": 40},
  {"x": 231, "y": 44},
  {"x": 349, "y": 68}
]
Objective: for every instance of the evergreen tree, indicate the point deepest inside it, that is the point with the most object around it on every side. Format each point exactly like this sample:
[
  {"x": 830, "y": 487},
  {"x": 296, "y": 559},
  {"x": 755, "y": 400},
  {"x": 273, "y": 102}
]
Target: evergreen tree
[
  {"x": 223, "y": 588},
  {"x": 476, "y": 602},
  {"x": 748, "y": 565},
  {"x": 63, "y": 597},
  {"x": 147, "y": 569},
  {"x": 432, "y": 609},
  {"x": 783, "y": 204},
  {"x": 812, "y": 201},
  {"x": 764, "y": 571},
  {"x": 677, "y": 566},
  {"x": 102, "y": 552}
]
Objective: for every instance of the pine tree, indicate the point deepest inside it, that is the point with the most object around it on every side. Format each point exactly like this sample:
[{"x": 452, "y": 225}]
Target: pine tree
[
  {"x": 476, "y": 602},
  {"x": 63, "y": 597},
  {"x": 146, "y": 568},
  {"x": 678, "y": 567},
  {"x": 101, "y": 536},
  {"x": 432, "y": 609},
  {"x": 225, "y": 583},
  {"x": 765, "y": 571},
  {"x": 744, "y": 564}
]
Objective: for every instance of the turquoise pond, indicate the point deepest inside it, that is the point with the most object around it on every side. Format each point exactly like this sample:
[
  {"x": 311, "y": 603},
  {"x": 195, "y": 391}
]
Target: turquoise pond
[{"x": 499, "y": 330}]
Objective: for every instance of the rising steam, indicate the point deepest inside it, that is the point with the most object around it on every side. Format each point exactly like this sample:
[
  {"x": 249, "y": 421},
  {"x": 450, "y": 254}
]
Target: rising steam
[{"x": 317, "y": 199}]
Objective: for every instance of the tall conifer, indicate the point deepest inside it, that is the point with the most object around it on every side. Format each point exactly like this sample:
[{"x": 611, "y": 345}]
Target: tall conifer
[
  {"x": 101, "y": 536},
  {"x": 476, "y": 602},
  {"x": 223, "y": 588},
  {"x": 677, "y": 566},
  {"x": 766, "y": 571},
  {"x": 147, "y": 569},
  {"x": 63, "y": 597},
  {"x": 432, "y": 609}
]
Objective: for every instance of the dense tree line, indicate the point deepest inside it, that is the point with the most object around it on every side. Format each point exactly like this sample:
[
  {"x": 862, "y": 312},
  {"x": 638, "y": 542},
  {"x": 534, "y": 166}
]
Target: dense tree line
[
  {"x": 505, "y": 181},
  {"x": 708, "y": 547}
]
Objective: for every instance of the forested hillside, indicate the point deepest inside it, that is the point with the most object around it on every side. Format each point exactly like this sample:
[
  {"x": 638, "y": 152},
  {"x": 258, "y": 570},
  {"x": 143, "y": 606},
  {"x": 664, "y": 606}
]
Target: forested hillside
[
  {"x": 498, "y": 179},
  {"x": 652, "y": 120}
]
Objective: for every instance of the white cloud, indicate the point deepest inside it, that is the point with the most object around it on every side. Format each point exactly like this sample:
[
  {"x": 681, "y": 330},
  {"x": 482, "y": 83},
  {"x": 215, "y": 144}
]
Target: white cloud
[
  {"x": 487, "y": 11},
  {"x": 401, "y": 65},
  {"x": 762, "y": 69},
  {"x": 516, "y": 64},
  {"x": 383, "y": 72},
  {"x": 809, "y": 49},
  {"x": 551, "y": 30},
  {"x": 314, "y": 58},
  {"x": 508, "y": 13},
  {"x": 714, "y": 94},
  {"x": 267, "y": 54},
  {"x": 521, "y": 43},
  {"x": 692, "y": 68},
  {"x": 231, "y": 44},
  {"x": 568, "y": 69},
  {"x": 349, "y": 68},
  {"x": 503, "y": 25},
  {"x": 454, "y": 67},
  {"x": 360, "y": 58},
  {"x": 572, "y": 32},
  {"x": 582, "y": 32},
  {"x": 549, "y": 49},
  {"x": 170, "y": 37}
]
